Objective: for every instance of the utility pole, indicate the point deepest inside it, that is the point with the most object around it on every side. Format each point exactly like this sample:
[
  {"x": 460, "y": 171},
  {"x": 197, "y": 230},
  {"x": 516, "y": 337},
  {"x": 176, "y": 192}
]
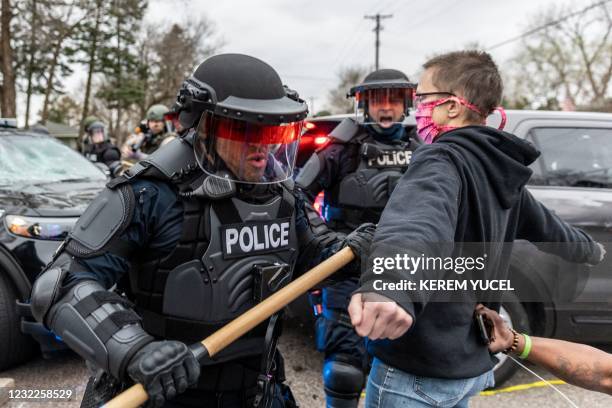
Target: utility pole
[
  {"x": 311, "y": 107},
  {"x": 377, "y": 29}
]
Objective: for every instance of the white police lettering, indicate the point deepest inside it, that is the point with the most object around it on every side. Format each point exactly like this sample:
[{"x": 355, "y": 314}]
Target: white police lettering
[
  {"x": 391, "y": 158},
  {"x": 273, "y": 240},
  {"x": 256, "y": 237}
]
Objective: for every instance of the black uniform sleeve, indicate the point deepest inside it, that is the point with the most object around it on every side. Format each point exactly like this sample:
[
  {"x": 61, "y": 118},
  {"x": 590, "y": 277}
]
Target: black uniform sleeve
[
  {"x": 420, "y": 215},
  {"x": 553, "y": 235}
]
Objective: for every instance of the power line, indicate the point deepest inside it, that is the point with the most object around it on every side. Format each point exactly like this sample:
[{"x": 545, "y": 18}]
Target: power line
[
  {"x": 443, "y": 8},
  {"x": 549, "y": 24},
  {"x": 353, "y": 40},
  {"x": 377, "y": 17}
]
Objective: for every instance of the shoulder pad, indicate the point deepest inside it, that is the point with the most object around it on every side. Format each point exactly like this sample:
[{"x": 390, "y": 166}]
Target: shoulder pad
[
  {"x": 106, "y": 217},
  {"x": 170, "y": 162},
  {"x": 309, "y": 172},
  {"x": 345, "y": 131}
]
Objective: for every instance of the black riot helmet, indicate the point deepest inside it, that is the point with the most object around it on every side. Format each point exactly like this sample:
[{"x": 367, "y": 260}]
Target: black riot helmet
[
  {"x": 246, "y": 122},
  {"x": 382, "y": 88}
]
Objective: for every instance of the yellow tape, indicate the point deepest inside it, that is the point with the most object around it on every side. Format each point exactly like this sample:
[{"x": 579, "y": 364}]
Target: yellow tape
[
  {"x": 521, "y": 387},
  {"x": 514, "y": 388}
]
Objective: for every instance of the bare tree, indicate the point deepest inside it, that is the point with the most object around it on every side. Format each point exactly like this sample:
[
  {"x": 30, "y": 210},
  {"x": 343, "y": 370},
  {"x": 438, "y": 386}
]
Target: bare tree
[
  {"x": 171, "y": 54},
  {"x": 64, "y": 24},
  {"x": 90, "y": 43},
  {"x": 347, "y": 78},
  {"x": 569, "y": 59},
  {"x": 8, "y": 96}
]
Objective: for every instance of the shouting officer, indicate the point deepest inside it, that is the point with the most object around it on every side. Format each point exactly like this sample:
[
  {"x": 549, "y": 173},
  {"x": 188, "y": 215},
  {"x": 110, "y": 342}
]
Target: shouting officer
[
  {"x": 357, "y": 171},
  {"x": 99, "y": 148},
  {"x": 140, "y": 145},
  {"x": 195, "y": 235}
]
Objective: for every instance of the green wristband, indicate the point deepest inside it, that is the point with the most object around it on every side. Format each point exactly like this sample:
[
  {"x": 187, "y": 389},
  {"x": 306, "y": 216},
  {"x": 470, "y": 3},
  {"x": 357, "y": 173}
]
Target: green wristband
[{"x": 527, "y": 348}]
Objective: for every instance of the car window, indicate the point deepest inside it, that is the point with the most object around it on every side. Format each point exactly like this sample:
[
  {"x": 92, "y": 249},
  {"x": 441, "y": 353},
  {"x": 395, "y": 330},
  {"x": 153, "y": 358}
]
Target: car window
[
  {"x": 30, "y": 160},
  {"x": 578, "y": 157}
]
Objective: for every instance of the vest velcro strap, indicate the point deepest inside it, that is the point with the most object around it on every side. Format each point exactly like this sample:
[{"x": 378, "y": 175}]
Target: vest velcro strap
[
  {"x": 287, "y": 205},
  {"x": 227, "y": 212},
  {"x": 186, "y": 330},
  {"x": 116, "y": 181}
]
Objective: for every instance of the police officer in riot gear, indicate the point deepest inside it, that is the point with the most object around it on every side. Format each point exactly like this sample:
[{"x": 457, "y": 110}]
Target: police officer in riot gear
[
  {"x": 357, "y": 171},
  {"x": 153, "y": 134},
  {"x": 99, "y": 148},
  {"x": 194, "y": 235}
]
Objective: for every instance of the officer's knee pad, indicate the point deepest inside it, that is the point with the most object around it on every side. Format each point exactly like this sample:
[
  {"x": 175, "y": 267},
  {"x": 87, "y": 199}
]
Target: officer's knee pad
[{"x": 342, "y": 380}]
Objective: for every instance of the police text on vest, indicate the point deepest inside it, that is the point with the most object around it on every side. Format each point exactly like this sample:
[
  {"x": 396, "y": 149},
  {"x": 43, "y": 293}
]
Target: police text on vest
[{"x": 255, "y": 237}]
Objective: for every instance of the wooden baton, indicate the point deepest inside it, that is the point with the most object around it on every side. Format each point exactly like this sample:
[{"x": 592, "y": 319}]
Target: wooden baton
[{"x": 136, "y": 395}]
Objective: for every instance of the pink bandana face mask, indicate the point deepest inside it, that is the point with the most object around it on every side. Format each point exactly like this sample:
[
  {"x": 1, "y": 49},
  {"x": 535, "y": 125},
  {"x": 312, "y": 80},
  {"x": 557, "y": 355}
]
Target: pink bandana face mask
[{"x": 428, "y": 131}]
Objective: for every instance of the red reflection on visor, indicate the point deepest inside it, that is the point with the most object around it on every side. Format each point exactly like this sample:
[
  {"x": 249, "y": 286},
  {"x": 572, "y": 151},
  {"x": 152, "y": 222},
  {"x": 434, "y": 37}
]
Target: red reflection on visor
[
  {"x": 386, "y": 95},
  {"x": 247, "y": 132}
]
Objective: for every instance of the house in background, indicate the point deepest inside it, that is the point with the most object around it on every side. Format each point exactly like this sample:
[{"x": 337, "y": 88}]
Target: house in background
[{"x": 64, "y": 133}]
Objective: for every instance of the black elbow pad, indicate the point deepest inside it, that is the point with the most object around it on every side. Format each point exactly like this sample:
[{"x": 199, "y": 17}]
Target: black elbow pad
[{"x": 97, "y": 324}]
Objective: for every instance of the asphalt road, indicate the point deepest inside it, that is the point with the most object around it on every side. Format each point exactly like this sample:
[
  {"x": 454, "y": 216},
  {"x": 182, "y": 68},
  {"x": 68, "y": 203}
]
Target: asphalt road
[{"x": 303, "y": 366}]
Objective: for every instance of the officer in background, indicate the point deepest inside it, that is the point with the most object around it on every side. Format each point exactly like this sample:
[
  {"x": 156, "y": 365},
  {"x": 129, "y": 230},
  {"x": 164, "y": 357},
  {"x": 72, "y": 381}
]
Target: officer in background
[
  {"x": 99, "y": 149},
  {"x": 357, "y": 172},
  {"x": 172, "y": 117},
  {"x": 149, "y": 139},
  {"x": 85, "y": 139},
  {"x": 195, "y": 234}
]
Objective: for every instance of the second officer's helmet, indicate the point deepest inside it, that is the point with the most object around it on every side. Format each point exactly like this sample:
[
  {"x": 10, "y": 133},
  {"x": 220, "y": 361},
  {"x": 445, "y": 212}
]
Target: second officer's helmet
[
  {"x": 382, "y": 89},
  {"x": 156, "y": 112},
  {"x": 96, "y": 132},
  {"x": 247, "y": 124}
]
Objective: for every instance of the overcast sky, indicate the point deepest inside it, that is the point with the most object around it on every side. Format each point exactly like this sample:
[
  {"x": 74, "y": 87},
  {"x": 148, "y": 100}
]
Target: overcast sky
[{"x": 309, "y": 41}]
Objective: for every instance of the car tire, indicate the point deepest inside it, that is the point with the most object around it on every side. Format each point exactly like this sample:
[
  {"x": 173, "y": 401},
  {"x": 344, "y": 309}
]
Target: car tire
[
  {"x": 15, "y": 347},
  {"x": 516, "y": 315}
]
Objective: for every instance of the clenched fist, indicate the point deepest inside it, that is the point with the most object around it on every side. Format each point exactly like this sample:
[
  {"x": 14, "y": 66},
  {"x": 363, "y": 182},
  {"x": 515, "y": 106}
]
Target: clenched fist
[{"x": 378, "y": 317}]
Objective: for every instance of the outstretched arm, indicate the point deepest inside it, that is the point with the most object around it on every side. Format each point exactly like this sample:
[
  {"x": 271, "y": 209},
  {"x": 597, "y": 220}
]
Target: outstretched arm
[
  {"x": 578, "y": 364},
  {"x": 553, "y": 235}
]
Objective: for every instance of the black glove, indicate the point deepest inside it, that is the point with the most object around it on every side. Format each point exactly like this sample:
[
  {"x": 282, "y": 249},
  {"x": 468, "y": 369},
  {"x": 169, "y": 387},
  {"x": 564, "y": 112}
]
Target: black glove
[
  {"x": 165, "y": 369},
  {"x": 360, "y": 240}
]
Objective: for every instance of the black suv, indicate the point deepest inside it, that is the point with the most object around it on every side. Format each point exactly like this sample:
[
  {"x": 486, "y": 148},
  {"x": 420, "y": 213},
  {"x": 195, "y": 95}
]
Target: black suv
[{"x": 44, "y": 188}]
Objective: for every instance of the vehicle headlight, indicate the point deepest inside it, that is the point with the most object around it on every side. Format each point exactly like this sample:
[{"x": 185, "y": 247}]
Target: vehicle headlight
[{"x": 55, "y": 229}]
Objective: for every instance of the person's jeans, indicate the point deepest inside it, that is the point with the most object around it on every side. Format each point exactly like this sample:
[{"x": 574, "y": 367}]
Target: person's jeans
[{"x": 390, "y": 387}]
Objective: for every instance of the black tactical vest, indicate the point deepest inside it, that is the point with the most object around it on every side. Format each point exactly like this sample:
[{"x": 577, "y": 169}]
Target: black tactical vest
[
  {"x": 362, "y": 194},
  {"x": 152, "y": 142},
  {"x": 95, "y": 152},
  {"x": 231, "y": 255}
]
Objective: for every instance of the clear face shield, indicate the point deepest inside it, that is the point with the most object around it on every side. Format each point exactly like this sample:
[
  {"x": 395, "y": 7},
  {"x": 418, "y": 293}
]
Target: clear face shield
[
  {"x": 246, "y": 152},
  {"x": 384, "y": 107},
  {"x": 97, "y": 135}
]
